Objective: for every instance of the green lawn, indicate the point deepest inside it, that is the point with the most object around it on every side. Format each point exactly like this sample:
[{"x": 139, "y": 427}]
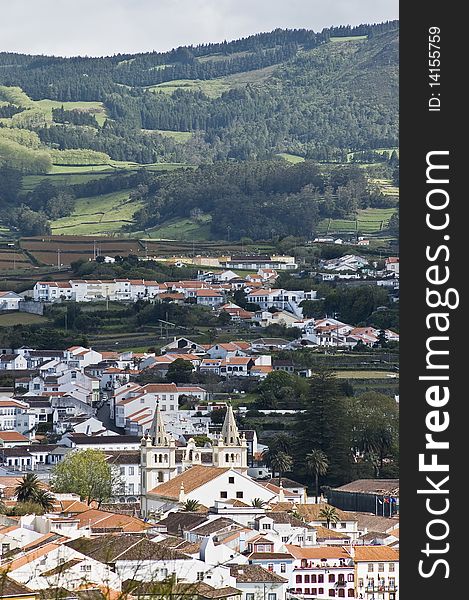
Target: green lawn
[
  {"x": 17, "y": 318},
  {"x": 293, "y": 158},
  {"x": 98, "y": 214}
]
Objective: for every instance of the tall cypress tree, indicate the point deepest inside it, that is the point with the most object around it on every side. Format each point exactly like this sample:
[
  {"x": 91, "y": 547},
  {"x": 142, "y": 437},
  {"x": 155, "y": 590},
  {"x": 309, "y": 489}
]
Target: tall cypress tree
[{"x": 323, "y": 426}]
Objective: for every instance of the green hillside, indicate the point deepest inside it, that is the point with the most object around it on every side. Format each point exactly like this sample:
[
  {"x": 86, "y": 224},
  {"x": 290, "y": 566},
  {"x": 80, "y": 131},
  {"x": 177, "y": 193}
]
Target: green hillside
[{"x": 329, "y": 97}]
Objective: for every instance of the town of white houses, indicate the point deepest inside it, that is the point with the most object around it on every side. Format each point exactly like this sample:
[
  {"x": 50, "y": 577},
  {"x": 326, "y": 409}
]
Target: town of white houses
[{"x": 199, "y": 319}]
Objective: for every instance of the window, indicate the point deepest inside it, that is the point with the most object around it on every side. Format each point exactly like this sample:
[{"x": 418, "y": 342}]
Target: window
[
  {"x": 85, "y": 568},
  {"x": 230, "y": 479},
  {"x": 341, "y": 593},
  {"x": 223, "y": 494},
  {"x": 314, "y": 591},
  {"x": 392, "y": 567},
  {"x": 332, "y": 593},
  {"x": 320, "y": 578},
  {"x": 360, "y": 582},
  {"x": 270, "y": 567},
  {"x": 331, "y": 578},
  {"x": 272, "y": 597},
  {"x": 350, "y": 577},
  {"x": 249, "y": 596},
  {"x": 380, "y": 567},
  {"x": 343, "y": 525},
  {"x": 200, "y": 576},
  {"x": 313, "y": 578},
  {"x": 265, "y": 525},
  {"x": 392, "y": 582},
  {"x": 285, "y": 539},
  {"x": 371, "y": 567},
  {"x": 122, "y": 470},
  {"x": 131, "y": 470},
  {"x": 306, "y": 578},
  {"x": 283, "y": 568},
  {"x": 299, "y": 579},
  {"x": 351, "y": 593},
  {"x": 239, "y": 494},
  {"x": 306, "y": 591},
  {"x": 321, "y": 591}
]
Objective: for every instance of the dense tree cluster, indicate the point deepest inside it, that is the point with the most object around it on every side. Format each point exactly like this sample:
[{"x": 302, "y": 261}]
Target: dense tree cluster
[{"x": 257, "y": 199}]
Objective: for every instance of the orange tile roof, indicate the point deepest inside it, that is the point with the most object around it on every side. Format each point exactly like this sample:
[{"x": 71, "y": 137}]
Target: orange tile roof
[
  {"x": 12, "y": 436},
  {"x": 192, "y": 479},
  {"x": 375, "y": 553},
  {"x": 318, "y": 553},
  {"x": 31, "y": 556}
]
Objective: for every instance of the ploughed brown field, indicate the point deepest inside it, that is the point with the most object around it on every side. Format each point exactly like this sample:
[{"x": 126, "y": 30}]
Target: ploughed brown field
[{"x": 45, "y": 249}]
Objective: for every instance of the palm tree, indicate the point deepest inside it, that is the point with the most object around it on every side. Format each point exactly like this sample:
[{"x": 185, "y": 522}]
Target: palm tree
[
  {"x": 191, "y": 506},
  {"x": 28, "y": 488},
  {"x": 329, "y": 513},
  {"x": 258, "y": 503},
  {"x": 281, "y": 462},
  {"x": 44, "y": 499},
  {"x": 317, "y": 464}
]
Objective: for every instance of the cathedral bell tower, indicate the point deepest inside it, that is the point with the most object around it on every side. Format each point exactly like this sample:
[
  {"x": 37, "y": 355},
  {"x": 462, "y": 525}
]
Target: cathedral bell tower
[
  {"x": 230, "y": 449},
  {"x": 157, "y": 456}
]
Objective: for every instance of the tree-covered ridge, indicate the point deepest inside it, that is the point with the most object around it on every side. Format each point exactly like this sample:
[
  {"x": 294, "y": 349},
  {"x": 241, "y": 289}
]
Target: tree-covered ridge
[
  {"x": 318, "y": 99},
  {"x": 78, "y": 77}
]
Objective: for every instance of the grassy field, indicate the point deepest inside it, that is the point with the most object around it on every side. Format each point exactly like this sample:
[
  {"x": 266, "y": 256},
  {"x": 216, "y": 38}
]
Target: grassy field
[
  {"x": 292, "y": 158},
  {"x": 177, "y": 136},
  {"x": 368, "y": 221},
  {"x": 214, "y": 88},
  {"x": 17, "y": 318},
  {"x": 350, "y": 38},
  {"x": 98, "y": 215},
  {"x": 180, "y": 229},
  {"x": 71, "y": 175},
  {"x": 366, "y": 375},
  {"x": 95, "y": 108}
]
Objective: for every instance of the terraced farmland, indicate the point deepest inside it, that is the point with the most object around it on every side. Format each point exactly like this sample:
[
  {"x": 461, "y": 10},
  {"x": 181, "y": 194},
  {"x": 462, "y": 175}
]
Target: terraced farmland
[{"x": 367, "y": 221}]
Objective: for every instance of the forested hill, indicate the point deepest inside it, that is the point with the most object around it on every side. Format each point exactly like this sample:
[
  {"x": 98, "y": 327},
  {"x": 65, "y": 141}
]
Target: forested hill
[{"x": 317, "y": 95}]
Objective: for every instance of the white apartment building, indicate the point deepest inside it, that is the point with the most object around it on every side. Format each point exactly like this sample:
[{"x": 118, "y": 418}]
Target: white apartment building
[
  {"x": 89, "y": 290},
  {"x": 376, "y": 572},
  {"x": 15, "y": 416},
  {"x": 288, "y": 300}
]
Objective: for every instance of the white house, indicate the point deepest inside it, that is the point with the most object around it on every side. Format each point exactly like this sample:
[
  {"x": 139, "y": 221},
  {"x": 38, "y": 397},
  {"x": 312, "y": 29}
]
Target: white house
[
  {"x": 256, "y": 582},
  {"x": 53, "y": 565},
  {"x": 10, "y": 301},
  {"x": 325, "y": 572},
  {"x": 13, "y": 362}
]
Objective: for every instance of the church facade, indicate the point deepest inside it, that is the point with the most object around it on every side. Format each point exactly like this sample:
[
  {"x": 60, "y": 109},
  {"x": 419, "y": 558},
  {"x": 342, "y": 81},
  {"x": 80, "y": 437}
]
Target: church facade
[{"x": 162, "y": 460}]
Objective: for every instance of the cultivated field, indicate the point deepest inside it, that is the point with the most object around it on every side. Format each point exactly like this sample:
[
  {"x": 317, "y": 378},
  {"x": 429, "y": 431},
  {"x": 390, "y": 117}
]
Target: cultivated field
[
  {"x": 367, "y": 221},
  {"x": 17, "y": 318},
  {"x": 45, "y": 249},
  {"x": 98, "y": 215},
  {"x": 180, "y": 229}
]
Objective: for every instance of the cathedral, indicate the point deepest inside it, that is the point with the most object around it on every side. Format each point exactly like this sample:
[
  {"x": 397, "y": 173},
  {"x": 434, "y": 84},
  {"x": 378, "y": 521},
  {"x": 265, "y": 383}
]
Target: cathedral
[{"x": 161, "y": 459}]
